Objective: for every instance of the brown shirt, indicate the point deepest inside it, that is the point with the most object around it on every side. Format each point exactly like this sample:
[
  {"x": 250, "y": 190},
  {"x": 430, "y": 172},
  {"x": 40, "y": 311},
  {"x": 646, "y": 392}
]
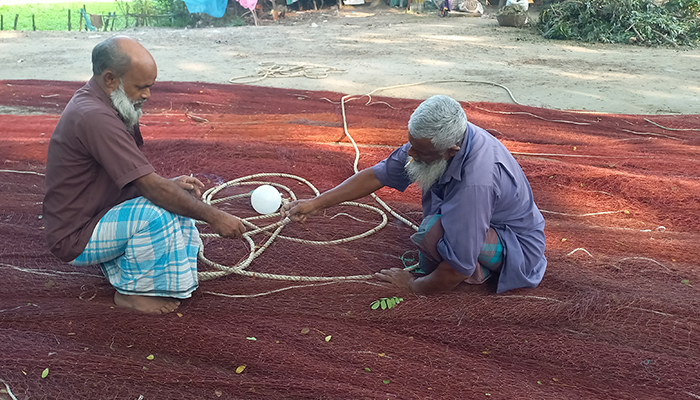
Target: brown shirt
[{"x": 91, "y": 164}]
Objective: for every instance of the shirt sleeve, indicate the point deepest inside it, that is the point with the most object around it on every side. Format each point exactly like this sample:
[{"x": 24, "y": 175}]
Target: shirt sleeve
[
  {"x": 106, "y": 139},
  {"x": 466, "y": 217},
  {"x": 390, "y": 171}
]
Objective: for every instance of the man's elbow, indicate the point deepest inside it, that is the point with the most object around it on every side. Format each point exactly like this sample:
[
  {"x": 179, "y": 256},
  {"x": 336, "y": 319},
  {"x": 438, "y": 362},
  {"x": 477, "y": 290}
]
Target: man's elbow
[{"x": 152, "y": 186}]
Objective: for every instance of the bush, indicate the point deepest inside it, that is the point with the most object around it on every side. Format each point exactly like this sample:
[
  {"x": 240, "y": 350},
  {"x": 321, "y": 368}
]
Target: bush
[
  {"x": 156, "y": 12},
  {"x": 621, "y": 21}
]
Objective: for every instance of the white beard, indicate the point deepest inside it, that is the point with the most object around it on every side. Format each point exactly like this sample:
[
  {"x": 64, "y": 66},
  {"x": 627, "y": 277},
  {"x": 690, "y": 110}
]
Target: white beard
[
  {"x": 129, "y": 110},
  {"x": 425, "y": 175}
]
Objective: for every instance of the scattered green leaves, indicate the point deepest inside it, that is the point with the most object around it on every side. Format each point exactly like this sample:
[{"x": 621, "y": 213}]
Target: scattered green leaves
[
  {"x": 150, "y": 357},
  {"x": 45, "y": 373},
  {"x": 367, "y": 369},
  {"x": 386, "y": 381},
  {"x": 386, "y": 302}
]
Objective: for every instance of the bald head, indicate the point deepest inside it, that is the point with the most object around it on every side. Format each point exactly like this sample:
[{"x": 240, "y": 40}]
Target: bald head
[
  {"x": 119, "y": 54},
  {"x": 125, "y": 70}
]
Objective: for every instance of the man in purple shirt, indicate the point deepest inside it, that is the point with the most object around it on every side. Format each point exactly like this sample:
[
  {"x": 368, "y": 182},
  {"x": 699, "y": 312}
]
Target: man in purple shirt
[{"x": 479, "y": 215}]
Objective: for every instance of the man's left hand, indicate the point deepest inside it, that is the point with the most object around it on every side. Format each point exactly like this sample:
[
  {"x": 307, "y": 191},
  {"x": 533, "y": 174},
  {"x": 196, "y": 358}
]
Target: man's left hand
[
  {"x": 193, "y": 185},
  {"x": 398, "y": 276}
]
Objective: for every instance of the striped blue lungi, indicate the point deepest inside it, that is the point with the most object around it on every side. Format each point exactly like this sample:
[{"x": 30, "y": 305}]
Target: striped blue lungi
[
  {"x": 490, "y": 258},
  {"x": 145, "y": 250}
]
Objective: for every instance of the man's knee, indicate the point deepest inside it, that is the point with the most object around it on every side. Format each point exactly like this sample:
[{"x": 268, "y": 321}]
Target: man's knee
[
  {"x": 156, "y": 216},
  {"x": 491, "y": 255}
]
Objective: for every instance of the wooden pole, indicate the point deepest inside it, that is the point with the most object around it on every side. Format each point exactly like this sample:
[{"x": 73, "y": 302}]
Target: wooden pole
[
  {"x": 16, "y": 18},
  {"x": 2, "y": 22},
  {"x": 33, "y": 23},
  {"x": 69, "y": 20},
  {"x": 80, "y": 23}
]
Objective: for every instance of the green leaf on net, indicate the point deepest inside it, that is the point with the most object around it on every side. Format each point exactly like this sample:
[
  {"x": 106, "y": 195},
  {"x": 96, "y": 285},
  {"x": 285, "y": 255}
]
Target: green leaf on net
[
  {"x": 150, "y": 357},
  {"x": 383, "y": 304},
  {"x": 390, "y": 303},
  {"x": 252, "y": 338},
  {"x": 686, "y": 282},
  {"x": 45, "y": 373},
  {"x": 385, "y": 381},
  {"x": 367, "y": 369},
  {"x": 375, "y": 304}
]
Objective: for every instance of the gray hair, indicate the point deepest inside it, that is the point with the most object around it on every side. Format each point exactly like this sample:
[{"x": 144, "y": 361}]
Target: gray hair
[
  {"x": 108, "y": 55},
  {"x": 440, "y": 118}
]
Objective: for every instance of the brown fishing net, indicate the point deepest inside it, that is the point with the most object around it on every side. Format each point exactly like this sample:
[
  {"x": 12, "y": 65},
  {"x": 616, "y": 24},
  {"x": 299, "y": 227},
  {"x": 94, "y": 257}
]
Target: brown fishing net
[{"x": 615, "y": 316}]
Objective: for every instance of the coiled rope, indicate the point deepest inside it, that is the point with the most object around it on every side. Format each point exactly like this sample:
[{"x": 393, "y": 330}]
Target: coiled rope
[{"x": 255, "y": 251}]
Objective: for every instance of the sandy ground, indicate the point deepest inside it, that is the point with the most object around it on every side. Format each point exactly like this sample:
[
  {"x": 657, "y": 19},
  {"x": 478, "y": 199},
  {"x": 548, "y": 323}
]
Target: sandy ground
[{"x": 385, "y": 47}]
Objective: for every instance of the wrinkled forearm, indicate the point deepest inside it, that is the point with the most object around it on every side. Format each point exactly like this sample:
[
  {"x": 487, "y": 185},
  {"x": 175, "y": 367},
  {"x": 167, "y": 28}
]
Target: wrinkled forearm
[
  {"x": 359, "y": 185},
  {"x": 168, "y": 195}
]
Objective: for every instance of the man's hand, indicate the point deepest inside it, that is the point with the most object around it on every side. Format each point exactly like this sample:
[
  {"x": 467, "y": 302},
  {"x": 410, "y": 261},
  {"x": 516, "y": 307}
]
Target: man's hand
[
  {"x": 228, "y": 226},
  {"x": 398, "y": 276},
  {"x": 193, "y": 185},
  {"x": 299, "y": 210}
]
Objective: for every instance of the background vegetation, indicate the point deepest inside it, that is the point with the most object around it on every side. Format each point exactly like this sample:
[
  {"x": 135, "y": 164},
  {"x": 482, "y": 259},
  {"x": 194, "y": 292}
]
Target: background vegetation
[
  {"x": 54, "y": 17},
  {"x": 643, "y": 22}
]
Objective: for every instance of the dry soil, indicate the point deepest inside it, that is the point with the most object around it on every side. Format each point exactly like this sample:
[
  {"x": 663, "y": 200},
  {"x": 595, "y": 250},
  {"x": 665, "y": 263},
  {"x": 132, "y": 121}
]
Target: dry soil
[{"x": 379, "y": 47}]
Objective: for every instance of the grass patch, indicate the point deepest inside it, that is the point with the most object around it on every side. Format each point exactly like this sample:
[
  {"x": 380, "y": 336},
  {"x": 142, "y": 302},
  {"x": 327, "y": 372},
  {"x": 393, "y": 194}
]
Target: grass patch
[{"x": 54, "y": 17}]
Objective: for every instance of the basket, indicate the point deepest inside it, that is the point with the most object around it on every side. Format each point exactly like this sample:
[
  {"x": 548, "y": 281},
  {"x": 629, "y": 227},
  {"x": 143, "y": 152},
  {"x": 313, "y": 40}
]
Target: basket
[{"x": 516, "y": 20}]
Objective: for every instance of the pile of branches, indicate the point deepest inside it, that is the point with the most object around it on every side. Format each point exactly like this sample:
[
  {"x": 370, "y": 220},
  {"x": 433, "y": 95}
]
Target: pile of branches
[
  {"x": 642, "y": 22},
  {"x": 513, "y": 9}
]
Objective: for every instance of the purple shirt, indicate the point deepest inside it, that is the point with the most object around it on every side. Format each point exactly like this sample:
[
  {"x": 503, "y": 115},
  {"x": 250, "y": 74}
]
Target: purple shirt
[{"x": 483, "y": 186}]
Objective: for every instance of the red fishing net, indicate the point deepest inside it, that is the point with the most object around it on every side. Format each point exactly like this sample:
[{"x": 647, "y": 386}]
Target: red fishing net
[{"x": 615, "y": 316}]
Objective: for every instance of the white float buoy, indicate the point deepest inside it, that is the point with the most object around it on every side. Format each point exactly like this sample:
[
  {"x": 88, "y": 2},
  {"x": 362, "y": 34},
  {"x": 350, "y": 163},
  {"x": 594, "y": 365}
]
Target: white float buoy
[{"x": 266, "y": 199}]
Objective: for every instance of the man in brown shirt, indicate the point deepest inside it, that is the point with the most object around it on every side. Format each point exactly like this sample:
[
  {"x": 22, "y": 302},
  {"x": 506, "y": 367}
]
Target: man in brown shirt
[{"x": 104, "y": 202}]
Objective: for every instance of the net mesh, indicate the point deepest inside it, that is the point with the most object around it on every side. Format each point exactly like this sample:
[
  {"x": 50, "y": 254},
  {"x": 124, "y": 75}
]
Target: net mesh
[{"x": 614, "y": 317}]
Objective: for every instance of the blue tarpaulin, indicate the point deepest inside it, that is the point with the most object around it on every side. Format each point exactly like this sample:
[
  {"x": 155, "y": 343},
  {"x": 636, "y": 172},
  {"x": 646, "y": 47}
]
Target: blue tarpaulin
[{"x": 215, "y": 8}]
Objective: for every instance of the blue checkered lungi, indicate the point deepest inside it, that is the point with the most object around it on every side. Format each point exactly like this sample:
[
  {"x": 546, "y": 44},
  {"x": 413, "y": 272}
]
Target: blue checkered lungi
[{"x": 145, "y": 250}]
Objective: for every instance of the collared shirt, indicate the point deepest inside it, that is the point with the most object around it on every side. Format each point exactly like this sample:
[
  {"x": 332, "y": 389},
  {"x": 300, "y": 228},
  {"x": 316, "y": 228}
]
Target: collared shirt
[
  {"x": 91, "y": 163},
  {"x": 483, "y": 186}
]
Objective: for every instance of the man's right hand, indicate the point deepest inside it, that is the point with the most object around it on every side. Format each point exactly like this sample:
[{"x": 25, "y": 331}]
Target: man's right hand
[
  {"x": 299, "y": 210},
  {"x": 228, "y": 226}
]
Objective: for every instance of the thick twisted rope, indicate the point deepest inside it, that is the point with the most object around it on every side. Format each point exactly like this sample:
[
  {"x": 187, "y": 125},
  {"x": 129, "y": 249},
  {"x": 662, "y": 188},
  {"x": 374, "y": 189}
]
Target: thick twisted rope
[
  {"x": 274, "y": 70},
  {"x": 256, "y": 251}
]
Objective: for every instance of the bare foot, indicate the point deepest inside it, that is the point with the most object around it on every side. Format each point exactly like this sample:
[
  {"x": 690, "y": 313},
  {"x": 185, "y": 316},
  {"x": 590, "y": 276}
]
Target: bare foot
[{"x": 146, "y": 304}]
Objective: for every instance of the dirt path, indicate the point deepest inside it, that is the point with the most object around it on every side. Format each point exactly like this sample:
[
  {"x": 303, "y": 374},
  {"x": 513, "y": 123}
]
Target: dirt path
[{"x": 379, "y": 48}]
